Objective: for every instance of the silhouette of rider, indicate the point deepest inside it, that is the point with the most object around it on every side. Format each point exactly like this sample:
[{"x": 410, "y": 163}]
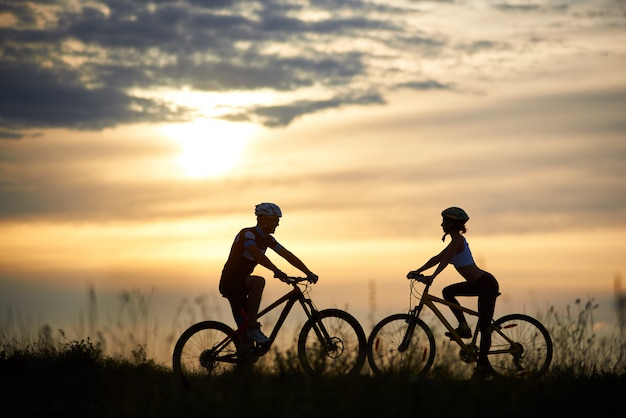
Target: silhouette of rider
[
  {"x": 244, "y": 290},
  {"x": 477, "y": 282}
]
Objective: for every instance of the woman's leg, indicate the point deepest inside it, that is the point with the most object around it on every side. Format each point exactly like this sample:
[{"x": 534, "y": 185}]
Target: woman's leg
[
  {"x": 486, "y": 308},
  {"x": 458, "y": 289}
]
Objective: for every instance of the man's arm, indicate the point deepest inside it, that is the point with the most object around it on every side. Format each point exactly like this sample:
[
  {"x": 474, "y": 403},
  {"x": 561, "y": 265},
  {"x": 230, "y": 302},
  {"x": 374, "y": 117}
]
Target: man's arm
[
  {"x": 262, "y": 259},
  {"x": 294, "y": 261}
]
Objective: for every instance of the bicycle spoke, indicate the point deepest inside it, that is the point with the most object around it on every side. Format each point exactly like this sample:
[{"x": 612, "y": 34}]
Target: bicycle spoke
[
  {"x": 520, "y": 348},
  {"x": 332, "y": 345},
  {"x": 391, "y": 350},
  {"x": 205, "y": 349}
]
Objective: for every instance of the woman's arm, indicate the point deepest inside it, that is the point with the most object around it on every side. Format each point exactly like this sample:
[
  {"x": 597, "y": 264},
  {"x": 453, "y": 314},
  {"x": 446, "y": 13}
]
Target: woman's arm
[{"x": 442, "y": 259}]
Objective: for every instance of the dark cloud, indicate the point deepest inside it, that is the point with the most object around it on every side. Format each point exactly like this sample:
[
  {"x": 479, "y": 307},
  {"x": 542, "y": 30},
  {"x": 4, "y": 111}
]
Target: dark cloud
[
  {"x": 101, "y": 64},
  {"x": 531, "y": 7},
  {"x": 517, "y": 7},
  {"x": 92, "y": 65},
  {"x": 9, "y": 135},
  {"x": 282, "y": 74},
  {"x": 485, "y": 45},
  {"x": 425, "y": 85},
  {"x": 283, "y": 115},
  {"x": 83, "y": 67},
  {"x": 38, "y": 97}
]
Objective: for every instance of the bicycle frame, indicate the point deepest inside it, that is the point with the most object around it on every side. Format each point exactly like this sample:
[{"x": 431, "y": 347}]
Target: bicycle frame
[
  {"x": 429, "y": 300},
  {"x": 289, "y": 300},
  {"x": 520, "y": 346}
]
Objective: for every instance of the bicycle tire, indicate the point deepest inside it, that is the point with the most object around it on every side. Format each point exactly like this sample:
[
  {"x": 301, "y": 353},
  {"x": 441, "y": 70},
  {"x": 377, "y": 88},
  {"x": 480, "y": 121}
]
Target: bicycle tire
[
  {"x": 532, "y": 343},
  {"x": 383, "y": 345},
  {"x": 195, "y": 351},
  {"x": 345, "y": 355}
]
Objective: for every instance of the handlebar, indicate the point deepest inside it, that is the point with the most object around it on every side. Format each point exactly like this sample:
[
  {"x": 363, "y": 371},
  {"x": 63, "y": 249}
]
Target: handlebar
[
  {"x": 296, "y": 280},
  {"x": 420, "y": 278}
]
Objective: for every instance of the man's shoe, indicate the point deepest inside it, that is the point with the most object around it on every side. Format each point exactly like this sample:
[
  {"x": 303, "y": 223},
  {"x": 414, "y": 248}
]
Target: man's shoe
[
  {"x": 258, "y": 336},
  {"x": 463, "y": 331}
]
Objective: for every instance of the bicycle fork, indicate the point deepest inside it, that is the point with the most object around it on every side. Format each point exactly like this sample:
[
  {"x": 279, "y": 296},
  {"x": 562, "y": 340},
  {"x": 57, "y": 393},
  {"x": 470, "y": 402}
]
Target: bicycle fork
[
  {"x": 412, "y": 321},
  {"x": 328, "y": 342}
]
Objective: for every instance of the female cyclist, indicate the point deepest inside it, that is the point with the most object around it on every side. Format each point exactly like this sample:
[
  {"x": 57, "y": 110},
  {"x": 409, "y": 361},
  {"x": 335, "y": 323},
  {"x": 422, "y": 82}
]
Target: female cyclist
[{"x": 477, "y": 282}]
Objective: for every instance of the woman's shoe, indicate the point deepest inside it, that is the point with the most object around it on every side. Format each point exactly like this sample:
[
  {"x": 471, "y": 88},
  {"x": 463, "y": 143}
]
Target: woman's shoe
[{"x": 463, "y": 330}]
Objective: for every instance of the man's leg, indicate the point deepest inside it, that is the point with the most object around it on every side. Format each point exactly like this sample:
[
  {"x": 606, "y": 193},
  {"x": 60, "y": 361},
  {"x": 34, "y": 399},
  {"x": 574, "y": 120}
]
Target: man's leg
[{"x": 255, "y": 286}]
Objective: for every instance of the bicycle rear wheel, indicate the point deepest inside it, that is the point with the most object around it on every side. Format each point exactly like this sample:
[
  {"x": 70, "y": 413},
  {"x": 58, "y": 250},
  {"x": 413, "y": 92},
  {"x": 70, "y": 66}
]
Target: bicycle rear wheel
[
  {"x": 521, "y": 347},
  {"x": 387, "y": 354},
  {"x": 205, "y": 349},
  {"x": 332, "y": 343}
]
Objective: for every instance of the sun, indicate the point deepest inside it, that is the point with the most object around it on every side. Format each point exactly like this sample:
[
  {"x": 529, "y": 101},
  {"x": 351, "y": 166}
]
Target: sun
[{"x": 209, "y": 147}]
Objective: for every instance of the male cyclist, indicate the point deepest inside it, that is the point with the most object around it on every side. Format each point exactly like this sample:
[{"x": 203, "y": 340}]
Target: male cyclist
[
  {"x": 237, "y": 284},
  {"x": 477, "y": 282}
]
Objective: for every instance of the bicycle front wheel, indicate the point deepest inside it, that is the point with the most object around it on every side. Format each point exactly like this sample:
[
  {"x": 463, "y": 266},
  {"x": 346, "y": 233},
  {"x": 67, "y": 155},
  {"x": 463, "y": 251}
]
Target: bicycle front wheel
[
  {"x": 521, "y": 347},
  {"x": 391, "y": 350},
  {"x": 332, "y": 343},
  {"x": 205, "y": 349}
]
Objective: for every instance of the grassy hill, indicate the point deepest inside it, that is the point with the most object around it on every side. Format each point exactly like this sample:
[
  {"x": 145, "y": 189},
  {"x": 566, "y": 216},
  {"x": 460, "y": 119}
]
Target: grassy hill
[
  {"x": 45, "y": 377},
  {"x": 80, "y": 381}
]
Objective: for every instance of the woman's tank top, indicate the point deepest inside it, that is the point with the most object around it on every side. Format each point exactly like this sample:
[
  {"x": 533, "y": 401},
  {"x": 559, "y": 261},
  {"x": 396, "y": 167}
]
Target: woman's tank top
[{"x": 464, "y": 258}]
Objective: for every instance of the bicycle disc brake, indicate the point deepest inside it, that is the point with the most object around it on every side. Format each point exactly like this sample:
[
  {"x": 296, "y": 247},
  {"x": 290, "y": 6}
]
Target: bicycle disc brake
[
  {"x": 208, "y": 360},
  {"x": 335, "y": 347},
  {"x": 518, "y": 355}
]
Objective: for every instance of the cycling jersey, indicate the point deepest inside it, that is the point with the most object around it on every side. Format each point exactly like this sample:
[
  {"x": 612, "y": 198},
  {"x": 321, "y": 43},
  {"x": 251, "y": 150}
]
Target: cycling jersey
[
  {"x": 464, "y": 258},
  {"x": 241, "y": 262}
]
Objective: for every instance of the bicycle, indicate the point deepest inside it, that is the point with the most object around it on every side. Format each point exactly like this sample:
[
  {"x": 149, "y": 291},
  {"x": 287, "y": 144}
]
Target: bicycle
[
  {"x": 331, "y": 342},
  {"x": 521, "y": 346}
]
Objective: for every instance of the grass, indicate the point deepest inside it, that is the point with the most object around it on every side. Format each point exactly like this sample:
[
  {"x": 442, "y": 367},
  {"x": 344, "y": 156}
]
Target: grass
[
  {"x": 81, "y": 381},
  {"x": 579, "y": 350},
  {"x": 114, "y": 374}
]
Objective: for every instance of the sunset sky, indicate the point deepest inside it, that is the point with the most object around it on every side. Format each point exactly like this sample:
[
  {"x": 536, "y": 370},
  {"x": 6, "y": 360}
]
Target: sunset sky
[{"x": 136, "y": 138}]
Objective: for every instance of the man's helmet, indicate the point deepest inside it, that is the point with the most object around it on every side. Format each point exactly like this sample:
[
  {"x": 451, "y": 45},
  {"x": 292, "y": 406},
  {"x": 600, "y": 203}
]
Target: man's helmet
[
  {"x": 267, "y": 209},
  {"x": 456, "y": 214}
]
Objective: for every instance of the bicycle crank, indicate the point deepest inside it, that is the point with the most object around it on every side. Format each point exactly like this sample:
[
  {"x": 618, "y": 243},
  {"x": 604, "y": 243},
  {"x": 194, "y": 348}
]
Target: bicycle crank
[{"x": 469, "y": 353}]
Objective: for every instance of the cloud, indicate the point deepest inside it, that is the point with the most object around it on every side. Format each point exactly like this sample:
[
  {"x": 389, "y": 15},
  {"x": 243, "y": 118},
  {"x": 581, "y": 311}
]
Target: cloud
[
  {"x": 86, "y": 66},
  {"x": 274, "y": 116},
  {"x": 36, "y": 97},
  {"x": 9, "y": 135},
  {"x": 89, "y": 66},
  {"x": 100, "y": 64},
  {"x": 516, "y": 7},
  {"x": 508, "y": 7},
  {"x": 426, "y": 85},
  {"x": 540, "y": 163}
]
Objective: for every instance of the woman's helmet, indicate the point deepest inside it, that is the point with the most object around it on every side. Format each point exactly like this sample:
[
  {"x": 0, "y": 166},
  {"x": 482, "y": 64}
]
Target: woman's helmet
[
  {"x": 267, "y": 209},
  {"x": 456, "y": 214}
]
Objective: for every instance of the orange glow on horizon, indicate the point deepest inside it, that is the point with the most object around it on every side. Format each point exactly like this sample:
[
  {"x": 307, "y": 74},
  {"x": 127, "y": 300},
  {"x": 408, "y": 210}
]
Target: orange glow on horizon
[{"x": 197, "y": 249}]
